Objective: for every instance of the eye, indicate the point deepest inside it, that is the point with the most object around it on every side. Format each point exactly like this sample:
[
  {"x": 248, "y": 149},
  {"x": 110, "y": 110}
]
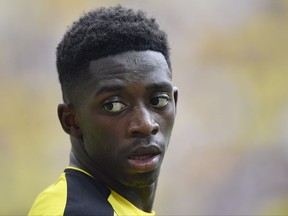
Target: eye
[
  {"x": 159, "y": 102},
  {"x": 114, "y": 107}
]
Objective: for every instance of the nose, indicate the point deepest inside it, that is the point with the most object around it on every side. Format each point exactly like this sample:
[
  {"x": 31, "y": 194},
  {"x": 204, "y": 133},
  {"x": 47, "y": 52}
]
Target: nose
[{"x": 142, "y": 123}]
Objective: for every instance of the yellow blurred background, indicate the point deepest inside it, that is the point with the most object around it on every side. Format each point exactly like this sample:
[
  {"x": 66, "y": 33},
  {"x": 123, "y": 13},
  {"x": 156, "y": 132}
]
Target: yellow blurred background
[{"x": 229, "y": 151}]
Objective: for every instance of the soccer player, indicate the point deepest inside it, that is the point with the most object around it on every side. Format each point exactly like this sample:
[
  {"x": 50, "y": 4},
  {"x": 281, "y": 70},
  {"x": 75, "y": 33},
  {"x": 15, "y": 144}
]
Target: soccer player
[{"x": 119, "y": 108}]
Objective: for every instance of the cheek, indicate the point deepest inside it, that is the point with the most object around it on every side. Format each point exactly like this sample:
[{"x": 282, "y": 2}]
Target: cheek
[
  {"x": 166, "y": 125},
  {"x": 100, "y": 136},
  {"x": 167, "y": 120}
]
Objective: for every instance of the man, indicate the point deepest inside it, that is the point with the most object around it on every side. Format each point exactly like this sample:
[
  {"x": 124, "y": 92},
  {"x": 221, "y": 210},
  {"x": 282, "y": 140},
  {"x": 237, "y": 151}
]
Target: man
[{"x": 119, "y": 109}]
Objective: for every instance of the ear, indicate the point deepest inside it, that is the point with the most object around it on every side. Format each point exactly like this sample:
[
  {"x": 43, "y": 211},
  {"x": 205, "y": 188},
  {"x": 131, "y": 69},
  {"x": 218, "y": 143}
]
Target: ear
[
  {"x": 68, "y": 120},
  {"x": 175, "y": 94}
]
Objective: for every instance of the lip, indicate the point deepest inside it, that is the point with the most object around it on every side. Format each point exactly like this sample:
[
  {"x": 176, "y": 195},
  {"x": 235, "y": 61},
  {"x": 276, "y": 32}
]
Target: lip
[{"x": 145, "y": 159}]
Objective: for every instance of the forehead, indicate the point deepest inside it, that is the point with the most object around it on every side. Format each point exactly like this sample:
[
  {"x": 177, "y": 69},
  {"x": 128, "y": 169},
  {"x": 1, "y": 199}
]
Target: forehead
[{"x": 129, "y": 66}]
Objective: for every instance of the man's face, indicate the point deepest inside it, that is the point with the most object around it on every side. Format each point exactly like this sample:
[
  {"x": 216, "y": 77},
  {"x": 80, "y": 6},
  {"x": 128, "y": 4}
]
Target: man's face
[{"x": 126, "y": 116}]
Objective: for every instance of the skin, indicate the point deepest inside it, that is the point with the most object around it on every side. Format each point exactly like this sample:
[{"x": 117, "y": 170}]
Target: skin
[{"x": 120, "y": 130}]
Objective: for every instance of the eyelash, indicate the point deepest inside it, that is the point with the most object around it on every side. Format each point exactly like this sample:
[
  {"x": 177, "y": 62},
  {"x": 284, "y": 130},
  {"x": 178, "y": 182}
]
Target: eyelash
[
  {"x": 164, "y": 99},
  {"x": 160, "y": 99},
  {"x": 121, "y": 106}
]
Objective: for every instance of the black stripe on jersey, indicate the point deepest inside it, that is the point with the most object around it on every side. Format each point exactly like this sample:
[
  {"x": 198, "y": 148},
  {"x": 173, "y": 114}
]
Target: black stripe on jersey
[{"x": 86, "y": 196}]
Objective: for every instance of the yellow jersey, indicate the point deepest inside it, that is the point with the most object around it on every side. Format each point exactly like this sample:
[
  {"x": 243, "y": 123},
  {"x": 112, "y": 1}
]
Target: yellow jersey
[{"x": 76, "y": 192}]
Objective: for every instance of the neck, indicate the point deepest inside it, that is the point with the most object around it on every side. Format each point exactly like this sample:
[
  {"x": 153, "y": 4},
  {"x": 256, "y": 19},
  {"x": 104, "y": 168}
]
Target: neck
[{"x": 141, "y": 197}]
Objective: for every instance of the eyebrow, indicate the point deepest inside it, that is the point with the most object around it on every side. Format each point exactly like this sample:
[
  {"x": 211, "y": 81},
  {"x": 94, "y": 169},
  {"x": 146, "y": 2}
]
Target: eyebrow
[
  {"x": 157, "y": 86},
  {"x": 150, "y": 87},
  {"x": 107, "y": 89}
]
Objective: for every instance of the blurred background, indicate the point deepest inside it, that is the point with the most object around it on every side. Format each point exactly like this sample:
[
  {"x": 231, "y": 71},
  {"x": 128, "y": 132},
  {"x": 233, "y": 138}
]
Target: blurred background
[{"x": 229, "y": 151}]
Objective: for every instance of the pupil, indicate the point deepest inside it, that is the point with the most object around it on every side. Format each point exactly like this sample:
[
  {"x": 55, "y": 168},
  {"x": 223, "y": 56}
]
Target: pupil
[
  {"x": 109, "y": 106},
  {"x": 154, "y": 101}
]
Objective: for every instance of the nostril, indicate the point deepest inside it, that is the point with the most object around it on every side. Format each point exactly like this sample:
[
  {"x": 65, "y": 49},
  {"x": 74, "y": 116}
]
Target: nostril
[
  {"x": 154, "y": 128},
  {"x": 155, "y": 131},
  {"x": 142, "y": 123},
  {"x": 143, "y": 129}
]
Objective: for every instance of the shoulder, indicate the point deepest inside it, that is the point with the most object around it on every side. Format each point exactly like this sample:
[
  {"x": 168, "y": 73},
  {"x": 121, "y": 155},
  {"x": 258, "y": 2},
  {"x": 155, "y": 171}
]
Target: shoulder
[
  {"x": 51, "y": 201},
  {"x": 75, "y": 193},
  {"x": 85, "y": 195}
]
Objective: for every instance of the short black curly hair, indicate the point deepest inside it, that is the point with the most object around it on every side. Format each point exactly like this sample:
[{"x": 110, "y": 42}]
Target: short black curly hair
[{"x": 103, "y": 32}]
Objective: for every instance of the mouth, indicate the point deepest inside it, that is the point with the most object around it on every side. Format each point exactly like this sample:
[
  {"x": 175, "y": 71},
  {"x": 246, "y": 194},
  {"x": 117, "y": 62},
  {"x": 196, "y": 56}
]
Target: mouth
[{"x": 145, "y": 159}]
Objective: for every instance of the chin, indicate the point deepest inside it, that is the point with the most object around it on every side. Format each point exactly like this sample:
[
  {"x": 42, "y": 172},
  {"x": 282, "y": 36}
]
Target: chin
[{"x": 142, "y": 180}]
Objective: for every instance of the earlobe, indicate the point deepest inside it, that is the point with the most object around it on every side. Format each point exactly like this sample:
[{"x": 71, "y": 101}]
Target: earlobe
[{"x": 68, "y": 120}]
